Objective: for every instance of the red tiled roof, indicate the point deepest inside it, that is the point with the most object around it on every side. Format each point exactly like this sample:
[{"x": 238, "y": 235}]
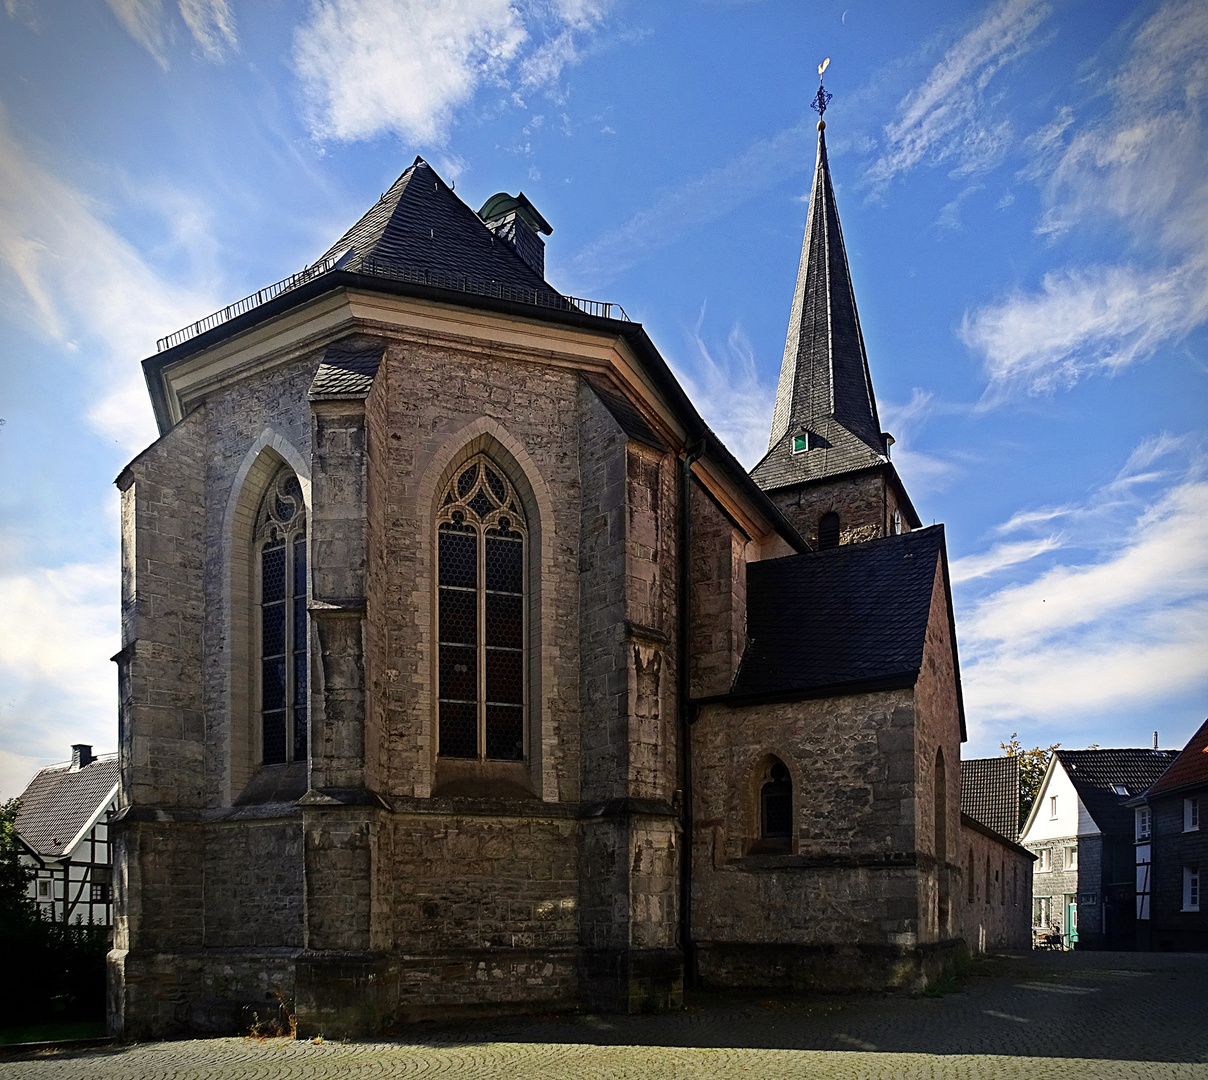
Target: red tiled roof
[{"x": 1189, "y": 768}]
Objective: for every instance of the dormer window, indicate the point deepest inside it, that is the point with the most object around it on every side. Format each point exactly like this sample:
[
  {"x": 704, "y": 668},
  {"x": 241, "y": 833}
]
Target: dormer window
[{"x": 801, "y": 442}]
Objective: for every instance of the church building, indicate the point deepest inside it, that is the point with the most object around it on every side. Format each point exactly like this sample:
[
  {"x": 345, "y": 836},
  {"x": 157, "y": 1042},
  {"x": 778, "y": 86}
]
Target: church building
[{"x": 464, "y": 668}]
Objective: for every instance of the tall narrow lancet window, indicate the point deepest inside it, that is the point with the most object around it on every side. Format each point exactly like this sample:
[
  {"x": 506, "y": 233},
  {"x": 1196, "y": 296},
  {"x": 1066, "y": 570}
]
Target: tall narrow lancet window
[
  {"x": 776, "y": 803},
  {"x": 828, "y": 531},
  {"x": 281, "y": 548},
  {"x": 481, "y": 538}
]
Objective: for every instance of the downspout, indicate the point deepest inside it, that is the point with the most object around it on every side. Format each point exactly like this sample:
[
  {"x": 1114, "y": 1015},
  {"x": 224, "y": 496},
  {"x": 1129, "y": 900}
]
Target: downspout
[{"x": 684, "y": 691}]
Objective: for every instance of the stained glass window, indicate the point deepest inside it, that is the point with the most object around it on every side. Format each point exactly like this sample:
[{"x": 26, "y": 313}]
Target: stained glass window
[
  {"x": 481, "y": 537},
  {"x": 281, "y": 543}
]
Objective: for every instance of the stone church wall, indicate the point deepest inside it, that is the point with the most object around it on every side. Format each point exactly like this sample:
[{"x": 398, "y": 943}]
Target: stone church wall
[
  {"x": 994, "y": 902},
  {"x": 719, "y": 596},
  {"x": 937, "y": 728},
  {"x": 839, "y": 907}
]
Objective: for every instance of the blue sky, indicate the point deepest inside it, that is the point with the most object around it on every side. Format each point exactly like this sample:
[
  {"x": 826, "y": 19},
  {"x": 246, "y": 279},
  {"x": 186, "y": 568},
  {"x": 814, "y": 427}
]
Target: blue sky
[{"x": 1024, "y": 192}]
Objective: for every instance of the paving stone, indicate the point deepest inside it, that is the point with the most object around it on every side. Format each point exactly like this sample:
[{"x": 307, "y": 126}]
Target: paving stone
[{"x": 1060, "y": 1016}]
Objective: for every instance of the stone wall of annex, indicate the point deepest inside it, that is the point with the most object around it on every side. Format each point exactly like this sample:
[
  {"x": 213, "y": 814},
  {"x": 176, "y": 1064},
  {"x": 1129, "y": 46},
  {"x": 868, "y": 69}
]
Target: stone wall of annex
[{"x": 840, "y": 906}]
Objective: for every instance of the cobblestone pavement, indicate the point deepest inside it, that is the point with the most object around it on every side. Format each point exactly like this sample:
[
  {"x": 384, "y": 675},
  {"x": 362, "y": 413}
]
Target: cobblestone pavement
[{"x": 1093, "y": 1015}]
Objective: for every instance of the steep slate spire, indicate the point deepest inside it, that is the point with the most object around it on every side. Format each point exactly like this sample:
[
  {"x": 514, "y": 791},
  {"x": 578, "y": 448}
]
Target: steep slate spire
[
  {"x": 825, "y": 371},
  {"x": 825, "y": 391}
]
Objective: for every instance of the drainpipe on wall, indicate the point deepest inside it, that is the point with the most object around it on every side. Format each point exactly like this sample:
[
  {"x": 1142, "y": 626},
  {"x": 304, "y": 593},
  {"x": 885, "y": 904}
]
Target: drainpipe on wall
[{"x": 684, "y": 690}]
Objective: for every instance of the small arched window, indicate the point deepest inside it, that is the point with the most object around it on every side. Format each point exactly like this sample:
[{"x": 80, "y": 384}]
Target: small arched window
[
  {"x": 280, "y": 539},
  {"x": 828, "y": 531},
  {"x": 481, "y": 630},
  {"x": 776, "y": 802}
]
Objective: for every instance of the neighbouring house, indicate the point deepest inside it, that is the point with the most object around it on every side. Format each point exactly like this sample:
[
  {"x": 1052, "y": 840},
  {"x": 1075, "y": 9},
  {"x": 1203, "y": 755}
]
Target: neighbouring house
[
  {"x": 1172, "y": 854},
  {"x": 63, "y": 826},
  {"x": 1081, "y": 830},
  {"x": 990, "y": 793},
  {"x": 463, "y": 667}
]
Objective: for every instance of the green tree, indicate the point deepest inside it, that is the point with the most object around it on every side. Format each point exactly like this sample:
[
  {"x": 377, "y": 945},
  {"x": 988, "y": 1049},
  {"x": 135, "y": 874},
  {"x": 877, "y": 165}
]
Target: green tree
[
  {"x": 16, "y": 908},
  {"x": 1032, "y": 766}
]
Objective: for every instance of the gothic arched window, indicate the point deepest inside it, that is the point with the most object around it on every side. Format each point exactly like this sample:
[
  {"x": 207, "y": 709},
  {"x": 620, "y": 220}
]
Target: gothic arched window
[
  {"x": 281, "y": 553},
  {"x": 776, "y": 802},
  {"x": 828, "y": 531},
  {"x": 481, "y": 615}
]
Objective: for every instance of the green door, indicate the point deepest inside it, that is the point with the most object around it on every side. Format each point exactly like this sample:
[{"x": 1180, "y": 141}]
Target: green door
[{"x": 1071, "y": 920}]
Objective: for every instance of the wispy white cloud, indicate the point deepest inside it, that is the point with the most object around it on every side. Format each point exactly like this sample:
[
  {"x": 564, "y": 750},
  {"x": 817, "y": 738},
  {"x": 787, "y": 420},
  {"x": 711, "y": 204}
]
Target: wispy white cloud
[
  {"x": 707, "y": 198},
  {"x": 1000, "y": 557},
  {"x": 1026, "y": 519},
  {"x": 724, "y": 385},
  {"x": 922, "y": 472},
  {"x": 144, "y": 21},
  {"x": 210, "y": 22},
  {"x": 1145, "y": 168},
  {"x": 545, "y": 65},
  {"x": 945, "y": 118},
  {"x": 1126, "y": 622},
  {"x": 406, "y": 66},
  {"x": 57, "y": 685},
  {"x": 76, "y": 281},
  {"x": 949, "y": 219}
]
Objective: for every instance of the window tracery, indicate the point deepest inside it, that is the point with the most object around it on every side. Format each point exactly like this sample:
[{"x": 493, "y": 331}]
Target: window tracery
[
  {"x": 481, "y": 634},
  {"x": 280, "y": 539}
]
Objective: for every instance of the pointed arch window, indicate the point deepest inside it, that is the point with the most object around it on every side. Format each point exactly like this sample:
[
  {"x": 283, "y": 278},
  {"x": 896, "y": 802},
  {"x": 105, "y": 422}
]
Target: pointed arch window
[
  {"x": 828, "y": 531},
  {"x": 280, "y": 539},
  {"x": 482, "y": 584},
  {"x": 776, "y": 802}
]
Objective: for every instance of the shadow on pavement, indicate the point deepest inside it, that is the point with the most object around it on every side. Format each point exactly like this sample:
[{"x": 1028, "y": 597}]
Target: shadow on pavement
[{"x": 1110, "y": 1006}]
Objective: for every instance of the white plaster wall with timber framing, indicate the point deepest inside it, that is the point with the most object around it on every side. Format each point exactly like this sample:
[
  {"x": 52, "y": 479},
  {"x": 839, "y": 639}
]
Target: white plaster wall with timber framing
[{"x": 77, "y": 887}]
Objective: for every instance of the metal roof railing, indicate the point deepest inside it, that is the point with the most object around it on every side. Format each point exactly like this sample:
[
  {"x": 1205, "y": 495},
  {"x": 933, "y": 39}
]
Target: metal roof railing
[{"x": 440, "y": 279}]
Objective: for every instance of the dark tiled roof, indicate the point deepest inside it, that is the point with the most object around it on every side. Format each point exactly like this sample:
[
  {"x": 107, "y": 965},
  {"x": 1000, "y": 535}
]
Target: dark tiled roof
[
  {"x": 825, "y": 387},
  {"x": 346, "y": 370},
  {"x": 990, "y": 793},
  {"x": 627, "y": 417},
  {"x": 58, "y": 803},
  {"x": 421, "y": 224},
  {"x": 1094, "y": 773},
  {"x": 1190, "y": 768},
  {"x": 855, "y": 614}
]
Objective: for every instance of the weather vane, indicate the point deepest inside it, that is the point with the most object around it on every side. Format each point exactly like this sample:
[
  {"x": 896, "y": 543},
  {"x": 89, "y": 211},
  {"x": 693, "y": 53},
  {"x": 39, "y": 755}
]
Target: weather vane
[{"x": 822, "y": 98}]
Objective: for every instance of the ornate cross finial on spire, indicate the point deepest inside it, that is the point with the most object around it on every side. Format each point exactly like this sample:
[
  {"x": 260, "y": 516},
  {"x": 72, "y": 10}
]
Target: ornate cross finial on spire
[{"x": 822, "y": 98}]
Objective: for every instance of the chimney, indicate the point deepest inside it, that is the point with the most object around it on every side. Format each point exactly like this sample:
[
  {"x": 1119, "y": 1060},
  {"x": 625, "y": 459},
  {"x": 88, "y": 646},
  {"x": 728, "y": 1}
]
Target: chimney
[
  {"x": 1155, "y": 740},
  {"x": 81, "y": 755},
  {"x": 514, "y": 219}
]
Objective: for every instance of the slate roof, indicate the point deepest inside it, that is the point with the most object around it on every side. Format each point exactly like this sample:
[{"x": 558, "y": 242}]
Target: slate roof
[
  {"x": 420, "y": 224},
  {"x": 58, "y": 803},
  {"x": 825, "y": 388},
  {"x": 627, "y": 417},
  {"x": 1094, "y": 772},
  {"x": 1190, "y": 768},
  {"x": 840, "y": 620},
  {"x": 990, "y": 793},
  {"x": 347, "y": 370}
]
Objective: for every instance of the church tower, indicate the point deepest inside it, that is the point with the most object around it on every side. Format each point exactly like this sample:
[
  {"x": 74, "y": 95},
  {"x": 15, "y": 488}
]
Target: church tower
[{"x": 827, "y": 467}]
